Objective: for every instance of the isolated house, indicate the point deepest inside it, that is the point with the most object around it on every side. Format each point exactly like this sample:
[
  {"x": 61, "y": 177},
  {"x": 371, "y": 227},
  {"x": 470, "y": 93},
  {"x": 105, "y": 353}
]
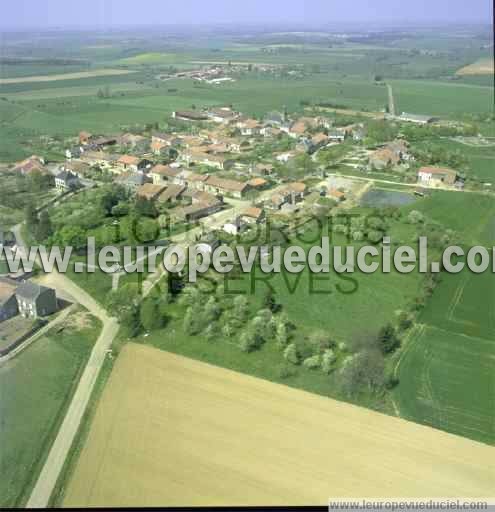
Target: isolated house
[
  {"x": 436, "y": 176},
  {"x": 32, "y": 164},
  {"x": 35, "y": 300},
  {"x": 66, "y": 180}
]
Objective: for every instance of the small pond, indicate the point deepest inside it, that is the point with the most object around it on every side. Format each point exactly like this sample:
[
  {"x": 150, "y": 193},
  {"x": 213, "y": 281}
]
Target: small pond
[{"x": 379, "y": 197}]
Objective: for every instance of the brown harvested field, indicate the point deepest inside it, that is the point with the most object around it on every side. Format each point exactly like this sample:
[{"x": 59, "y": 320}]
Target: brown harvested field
[
  {"x": 171, "y": 431},
  {"x": 481, "y": 67},
  {"x": 65, "y": 76}
]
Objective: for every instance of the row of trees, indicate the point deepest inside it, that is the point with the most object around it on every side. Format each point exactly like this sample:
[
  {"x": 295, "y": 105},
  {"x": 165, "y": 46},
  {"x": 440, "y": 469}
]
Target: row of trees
[
  {"x": 136, "y": 314},
  {"x": 39, "y": 226}
]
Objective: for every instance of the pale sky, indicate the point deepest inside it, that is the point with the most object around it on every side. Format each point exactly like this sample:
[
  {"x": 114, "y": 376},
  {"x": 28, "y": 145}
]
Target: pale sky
[{"x": 113, "y": 13}]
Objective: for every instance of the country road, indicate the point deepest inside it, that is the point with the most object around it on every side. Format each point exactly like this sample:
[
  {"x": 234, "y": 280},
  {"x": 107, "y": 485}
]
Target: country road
[{"x": 57, "y": 456}]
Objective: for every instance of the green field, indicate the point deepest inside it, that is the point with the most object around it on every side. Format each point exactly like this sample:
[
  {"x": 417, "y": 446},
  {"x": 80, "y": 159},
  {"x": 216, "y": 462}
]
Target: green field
[
  {"x": 35, "y": 389},
  {"x": 470, "y": 215},
  {"x": 434, "y": 98},
  {"x": 326, "y": 70},
  {"x": 447, "y": 381},
  {"x": 447, "y": 370}
]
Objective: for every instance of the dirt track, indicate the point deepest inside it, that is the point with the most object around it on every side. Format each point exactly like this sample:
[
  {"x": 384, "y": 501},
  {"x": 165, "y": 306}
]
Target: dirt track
[
  {"x": 64, "y": 76},
  {"x": 171, "y": 431}
]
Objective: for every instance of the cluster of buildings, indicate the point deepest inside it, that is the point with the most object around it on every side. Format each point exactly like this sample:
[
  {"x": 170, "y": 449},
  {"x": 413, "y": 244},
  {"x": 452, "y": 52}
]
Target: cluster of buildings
[
  {"x": 207, "y": 163},
  {"x": 390, "y": 155}
]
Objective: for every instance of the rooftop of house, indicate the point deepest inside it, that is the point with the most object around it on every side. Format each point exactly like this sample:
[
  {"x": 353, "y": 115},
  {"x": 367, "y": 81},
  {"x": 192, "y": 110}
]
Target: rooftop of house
[
  {"x": 319, "y": 138},
  {"x": 65, "y": 175},
  {"x": 437, "y": 170},
  {"x": 191, "y": 114},
  {"x": 30, "y": 164},
  {"x": 171, "y": 192},
  {"x": 200, "y": 196},
  {"x": 100, "y": 156},
  {"x": 197, "y": 177},
  {"x": 252, "y": 212},
  {"x": 299, "y": 127},
  {"x": 129, "y": 160},
  {"x": 165, "y": 170},
  {"x": 297, "y": 186},
  {"x": 224, "y": 112},
  {"x": 149, "y": 190},
  {"x": 131, "y": 138},
  {"x": 416, "y": 117},
  {"x": 250, "y": 123},
  {"x": 191, "y": 209},
  {"x": 30, "y": 291},
  {"x": 104, "y": 140},
  {"x": 131, "y": 178},
  {"x": 226, "y": 184},
  {"x": 77, "y": 166},
  {"x": 257, "y": 182}
]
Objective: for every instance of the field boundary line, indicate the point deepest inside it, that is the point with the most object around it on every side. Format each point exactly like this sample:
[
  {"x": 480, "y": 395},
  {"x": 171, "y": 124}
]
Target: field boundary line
[{"x": 415, "y": 333}]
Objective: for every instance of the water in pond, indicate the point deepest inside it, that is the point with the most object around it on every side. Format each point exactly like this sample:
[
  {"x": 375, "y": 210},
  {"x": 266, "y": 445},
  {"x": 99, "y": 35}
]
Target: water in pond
[{"x": 380, "y": 197}]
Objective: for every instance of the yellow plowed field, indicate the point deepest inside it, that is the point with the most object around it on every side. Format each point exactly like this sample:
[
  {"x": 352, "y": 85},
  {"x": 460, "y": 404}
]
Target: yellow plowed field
[{"x": 171, "y": 431}]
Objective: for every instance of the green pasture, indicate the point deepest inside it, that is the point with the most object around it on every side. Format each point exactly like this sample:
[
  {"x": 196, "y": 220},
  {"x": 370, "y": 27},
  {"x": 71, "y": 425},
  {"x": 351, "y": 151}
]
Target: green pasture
[
  {"x": 447, "y": 381},
  {"x": 436, "y": 98},
  {"x": 35, "y": 390}
]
